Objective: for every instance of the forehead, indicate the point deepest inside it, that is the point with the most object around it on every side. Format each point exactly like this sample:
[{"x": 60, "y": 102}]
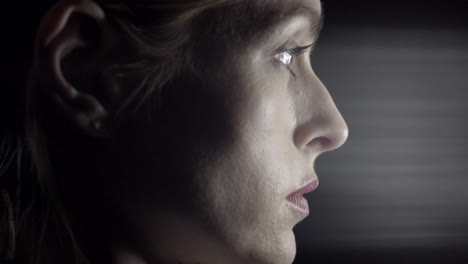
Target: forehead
[
  {"x": 239, "y": 25},
  {"x": 242, "y": 20},
  {"x": 312, "y": 5},
  {"x": 280, "y": 6},
  {"x": 295, "y": 10},
  {"x": 278, "y": 10}
]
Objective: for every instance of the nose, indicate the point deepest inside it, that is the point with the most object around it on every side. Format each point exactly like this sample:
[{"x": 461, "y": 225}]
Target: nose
[{"x": 320, "y": 125}]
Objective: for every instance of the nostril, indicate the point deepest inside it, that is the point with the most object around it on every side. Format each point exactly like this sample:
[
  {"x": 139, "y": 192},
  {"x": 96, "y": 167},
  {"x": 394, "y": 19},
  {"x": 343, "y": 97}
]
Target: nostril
[{"x": 319, "y": 144}]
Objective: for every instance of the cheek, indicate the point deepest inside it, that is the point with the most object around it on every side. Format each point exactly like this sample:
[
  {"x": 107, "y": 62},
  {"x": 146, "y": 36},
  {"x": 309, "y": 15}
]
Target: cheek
[
  {"x": 269, "y": 109},
  {"x": 243, "y": 185},
  {"x": 243, "y": 196},
  {"x": 253, "y": 172}
]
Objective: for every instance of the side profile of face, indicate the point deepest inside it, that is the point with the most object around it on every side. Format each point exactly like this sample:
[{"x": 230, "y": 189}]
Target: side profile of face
[
  {"x": 221, "y": 178},
  {"x": 252, "y": 135}
]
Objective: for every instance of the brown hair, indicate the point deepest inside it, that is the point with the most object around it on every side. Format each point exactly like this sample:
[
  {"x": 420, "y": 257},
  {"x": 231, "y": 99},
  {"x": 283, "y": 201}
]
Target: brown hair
[
  {"x": 32, "y": 215},
  {"x": 164, "y": 35}
]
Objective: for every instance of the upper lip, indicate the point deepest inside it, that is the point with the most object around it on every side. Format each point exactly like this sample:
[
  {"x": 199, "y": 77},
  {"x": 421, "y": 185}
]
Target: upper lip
[{"x": 308, "y": 187}]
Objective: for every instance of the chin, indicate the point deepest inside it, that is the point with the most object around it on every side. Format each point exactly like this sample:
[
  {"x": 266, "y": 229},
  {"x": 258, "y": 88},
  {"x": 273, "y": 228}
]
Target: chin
[
  {"x": 281, "y": 250},
  {"x": 287, "y": 252}
]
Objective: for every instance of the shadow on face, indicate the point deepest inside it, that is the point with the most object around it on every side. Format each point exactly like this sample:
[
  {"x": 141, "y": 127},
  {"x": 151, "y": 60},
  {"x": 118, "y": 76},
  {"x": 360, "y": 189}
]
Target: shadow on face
[{"x": 221, "y": 150}]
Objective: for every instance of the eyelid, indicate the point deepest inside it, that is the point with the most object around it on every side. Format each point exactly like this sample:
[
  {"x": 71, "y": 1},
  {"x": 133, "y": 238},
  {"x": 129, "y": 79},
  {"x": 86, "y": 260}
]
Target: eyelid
[
  {"x": 286, "y": 56},
  {"x": 299, "y": 50}
]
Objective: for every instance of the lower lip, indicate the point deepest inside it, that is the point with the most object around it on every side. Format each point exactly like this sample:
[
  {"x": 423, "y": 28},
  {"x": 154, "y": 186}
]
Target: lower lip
[{"x": 300, "y": 203}]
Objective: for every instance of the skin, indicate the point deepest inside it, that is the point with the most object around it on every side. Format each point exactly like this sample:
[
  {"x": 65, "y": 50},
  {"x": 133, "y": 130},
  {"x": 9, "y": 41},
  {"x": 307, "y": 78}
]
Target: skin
[{"x": 249, "y": 138}]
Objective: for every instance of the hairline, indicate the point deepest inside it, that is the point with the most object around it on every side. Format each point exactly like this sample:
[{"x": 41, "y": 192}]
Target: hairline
[
  {"x": 314, "y": 17},
  {"x": 279, "y": 17}
]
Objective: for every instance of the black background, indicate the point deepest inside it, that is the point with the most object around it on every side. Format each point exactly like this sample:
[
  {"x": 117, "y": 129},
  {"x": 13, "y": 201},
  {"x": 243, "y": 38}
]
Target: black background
[{"x": 397, "y": 191}]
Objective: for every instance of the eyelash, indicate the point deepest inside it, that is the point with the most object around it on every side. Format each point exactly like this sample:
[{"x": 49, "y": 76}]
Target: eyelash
[{"x": 286, "y": 57}]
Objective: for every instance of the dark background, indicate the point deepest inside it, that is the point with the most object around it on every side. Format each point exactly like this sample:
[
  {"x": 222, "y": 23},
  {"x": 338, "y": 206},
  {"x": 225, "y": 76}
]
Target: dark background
[{"x": 397, "y": 191}]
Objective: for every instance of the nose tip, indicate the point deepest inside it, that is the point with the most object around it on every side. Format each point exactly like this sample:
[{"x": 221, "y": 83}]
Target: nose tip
[
  {"x": 322, "y": 134},
  {"x": 322, "y": 127}
]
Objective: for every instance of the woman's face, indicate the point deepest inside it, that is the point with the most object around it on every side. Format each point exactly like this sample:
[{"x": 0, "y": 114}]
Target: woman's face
[{"x": 250, "y": 137}]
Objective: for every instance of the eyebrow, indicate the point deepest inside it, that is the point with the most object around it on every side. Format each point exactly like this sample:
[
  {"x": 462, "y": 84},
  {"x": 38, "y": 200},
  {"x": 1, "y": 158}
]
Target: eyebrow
[
  {"x": 315, "y": 18},
  {"x": 257, "y": 23}
]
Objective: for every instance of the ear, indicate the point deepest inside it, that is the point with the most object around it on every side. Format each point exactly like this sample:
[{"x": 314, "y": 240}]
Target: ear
[{"x": 70, "y": 58}]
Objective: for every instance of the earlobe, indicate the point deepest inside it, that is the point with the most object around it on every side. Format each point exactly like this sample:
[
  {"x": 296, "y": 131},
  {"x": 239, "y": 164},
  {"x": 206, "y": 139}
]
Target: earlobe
[{"x": 67, "y": 62}]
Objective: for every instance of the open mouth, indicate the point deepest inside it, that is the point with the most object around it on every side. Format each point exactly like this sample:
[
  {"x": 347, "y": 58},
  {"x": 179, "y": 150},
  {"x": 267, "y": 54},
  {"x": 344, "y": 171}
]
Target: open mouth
[{"x": 297, "y": 199}]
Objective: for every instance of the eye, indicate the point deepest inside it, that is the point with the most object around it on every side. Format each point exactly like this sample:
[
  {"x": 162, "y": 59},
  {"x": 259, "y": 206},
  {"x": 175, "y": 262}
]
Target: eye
[{"x": 286, "y": 57}]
